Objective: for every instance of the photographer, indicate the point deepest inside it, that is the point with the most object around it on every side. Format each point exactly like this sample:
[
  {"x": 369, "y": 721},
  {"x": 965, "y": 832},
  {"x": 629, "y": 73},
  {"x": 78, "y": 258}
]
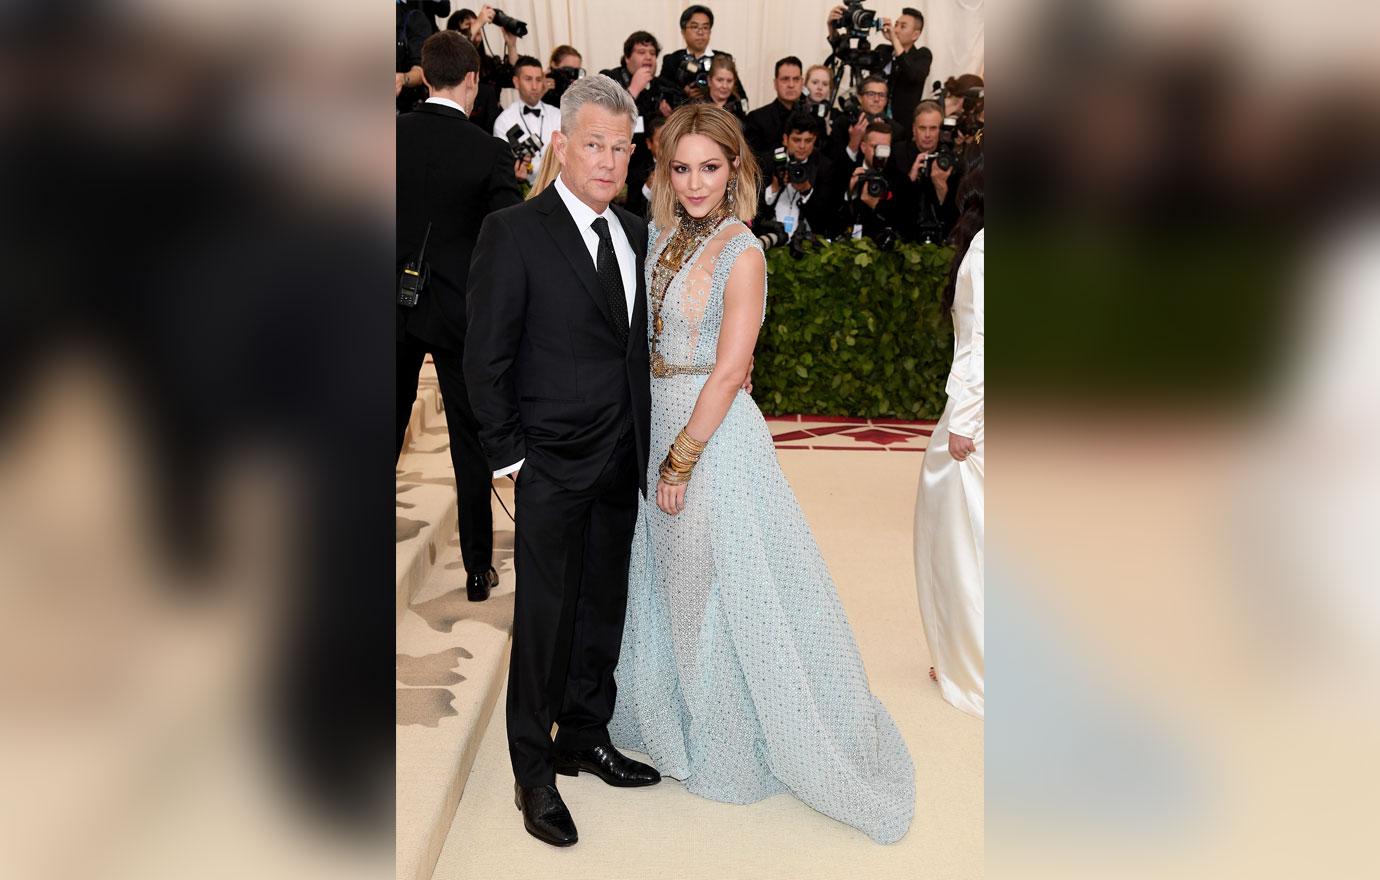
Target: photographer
[
  {"x": 696, "y": 24},
  {"x": 527, "y": 123},
  {"x": 868, "y": 107},
  {"x": 495, "y": 73},
  {"x": 910, "y": 64},
  {"x": 907, "y": 66},
  {"x": 800, "y": 189},
  {"x": 567, "y": 65},
  {"x": 441, "y": 203},
  {"x": 414, "y": 22},
  {"x": 868, "y": 198},
  {"x": 636, "y": 74},
  {"x": 924, "y": 177},
  {"x": 767, "y": 125}
]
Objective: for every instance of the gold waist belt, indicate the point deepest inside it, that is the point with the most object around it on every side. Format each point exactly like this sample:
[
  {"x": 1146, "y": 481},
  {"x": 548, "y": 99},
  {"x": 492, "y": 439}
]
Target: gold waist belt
[{"x": 663, "y": 370}]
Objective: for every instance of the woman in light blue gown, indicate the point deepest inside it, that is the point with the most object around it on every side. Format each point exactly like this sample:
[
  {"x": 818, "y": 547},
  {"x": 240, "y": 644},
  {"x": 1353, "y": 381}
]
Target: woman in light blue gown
[{"x": 739, "y": 674}]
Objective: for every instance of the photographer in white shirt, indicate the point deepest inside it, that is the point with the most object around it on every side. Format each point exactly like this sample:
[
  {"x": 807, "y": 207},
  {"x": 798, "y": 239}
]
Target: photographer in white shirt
[{"x": 534, "y": 119}]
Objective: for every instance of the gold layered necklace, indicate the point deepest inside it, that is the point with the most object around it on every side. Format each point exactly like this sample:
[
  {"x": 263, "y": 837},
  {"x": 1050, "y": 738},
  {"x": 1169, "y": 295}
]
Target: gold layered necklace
[{"x": 690, "y": 233}]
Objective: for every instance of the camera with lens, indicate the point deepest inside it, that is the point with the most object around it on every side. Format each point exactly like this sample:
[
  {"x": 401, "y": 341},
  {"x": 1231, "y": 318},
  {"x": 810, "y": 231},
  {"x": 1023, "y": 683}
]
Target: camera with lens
[
  {"x": 672, "y": 86},
  {"x": 873, "y": 180},
  {"x": 791, "y": 170},
  {"x": 771, "y": 232},
  {"x": 525, "y": 147},
  {"x": 945, "y": 154},
  {"x": 561, "y": 78},
  {"x": 510, "y": 24},
  {"x": 859, "y": 21}
]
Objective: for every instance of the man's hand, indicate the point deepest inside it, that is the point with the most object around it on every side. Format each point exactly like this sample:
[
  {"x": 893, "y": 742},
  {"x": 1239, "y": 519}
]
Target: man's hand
[
  {"x": 856, "y": 132},
  {"x": 521, "y": 168},
  {"x": 914, "y": 172},
  {"x": 834, "y": 15},
  {"x": 671, "y": 499},
  {"x": 890, "y": 36},
  {"x": 940, "y": 178},
  {"x": 640, "y": 78},
  {"x": 485, "y": 16},
  {"x": 960, "y": 447},
  {"x": 398, "y": 80},
  {"x": 803, "y": 186},
  {"x": 664, "y": 108}
]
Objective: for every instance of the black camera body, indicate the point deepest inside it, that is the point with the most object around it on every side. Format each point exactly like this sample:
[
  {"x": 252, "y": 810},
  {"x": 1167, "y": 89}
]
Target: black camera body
[
  {"x": 859, "y": 21},
  {"x": 508, "y": 23},
  {"x": 671, "y": 87},
  {"x": 873, "y": 179},
  {"x": 792, "y": 170},
  {"x": 945, "y": 155},
  {"x": 524, "y": 146}
]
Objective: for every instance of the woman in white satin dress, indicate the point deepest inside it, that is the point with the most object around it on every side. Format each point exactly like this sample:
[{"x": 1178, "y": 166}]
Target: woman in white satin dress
[{"x": 949, "y": 507}]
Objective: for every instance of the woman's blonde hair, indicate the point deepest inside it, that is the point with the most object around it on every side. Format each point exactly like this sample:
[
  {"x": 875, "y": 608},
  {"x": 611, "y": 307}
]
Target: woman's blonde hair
[
  {"x": 550, "y": 167},
  {"x": 721, "y": 127}
]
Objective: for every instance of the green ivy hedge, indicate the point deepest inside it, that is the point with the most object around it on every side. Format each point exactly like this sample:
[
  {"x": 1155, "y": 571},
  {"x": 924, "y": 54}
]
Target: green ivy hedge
[{"x": 855, "y": 331}]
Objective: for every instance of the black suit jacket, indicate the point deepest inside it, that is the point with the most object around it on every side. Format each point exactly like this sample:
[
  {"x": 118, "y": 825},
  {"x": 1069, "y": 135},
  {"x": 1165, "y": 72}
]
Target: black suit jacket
[
  {"x": 547, "y": 378},
  {"x": 908, "y": 74},
  {"x": 675, "y": 60},
  {"x": 451, "y": 174},
  {"x": 822, "y": 209},
  {"x": 766, "y": 126},
  {"x": 913, "y": 201}
]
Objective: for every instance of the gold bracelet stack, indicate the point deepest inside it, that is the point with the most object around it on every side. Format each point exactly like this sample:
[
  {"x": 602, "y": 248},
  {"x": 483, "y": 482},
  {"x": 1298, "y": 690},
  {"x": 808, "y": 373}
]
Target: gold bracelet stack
[{"x": 680, "y": 461}]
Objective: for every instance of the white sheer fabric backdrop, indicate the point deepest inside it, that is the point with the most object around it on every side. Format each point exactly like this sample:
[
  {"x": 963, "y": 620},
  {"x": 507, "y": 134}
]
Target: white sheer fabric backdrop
[{"x": 755, "y": 32}]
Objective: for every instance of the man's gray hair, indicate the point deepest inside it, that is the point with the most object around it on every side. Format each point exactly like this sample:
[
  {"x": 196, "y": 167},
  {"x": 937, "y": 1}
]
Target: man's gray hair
[{"x": 599, "y": 90}]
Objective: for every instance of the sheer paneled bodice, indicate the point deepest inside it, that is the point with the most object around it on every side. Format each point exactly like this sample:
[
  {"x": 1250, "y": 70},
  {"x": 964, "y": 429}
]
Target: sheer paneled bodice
[{"x": 689, "y": 295}]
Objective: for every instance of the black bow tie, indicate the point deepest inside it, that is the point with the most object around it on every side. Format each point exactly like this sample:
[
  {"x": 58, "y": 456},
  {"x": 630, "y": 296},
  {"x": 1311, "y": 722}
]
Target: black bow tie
[{"x": 535, "y": 111}]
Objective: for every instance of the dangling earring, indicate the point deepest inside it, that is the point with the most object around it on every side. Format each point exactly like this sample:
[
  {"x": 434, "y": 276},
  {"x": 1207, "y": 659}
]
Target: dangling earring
[{"x": 732, "y": 190}]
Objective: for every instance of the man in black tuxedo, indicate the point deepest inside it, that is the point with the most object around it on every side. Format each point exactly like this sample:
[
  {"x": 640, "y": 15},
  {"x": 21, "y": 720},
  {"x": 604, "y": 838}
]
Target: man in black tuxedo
[
  {"x": 556, "y": 361},
  {"x": 767, "y": 125},
  {"x": 453, "y": 196}
]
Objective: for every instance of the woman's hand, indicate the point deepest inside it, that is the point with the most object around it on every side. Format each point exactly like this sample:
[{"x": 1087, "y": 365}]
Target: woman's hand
[
  {"x": 671, "y": 499},
  {"x": 960, "y": 447}
]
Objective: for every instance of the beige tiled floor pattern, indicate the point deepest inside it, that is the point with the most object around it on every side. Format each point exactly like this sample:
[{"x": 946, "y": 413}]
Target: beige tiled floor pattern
[{"x": 860, "y": 506}]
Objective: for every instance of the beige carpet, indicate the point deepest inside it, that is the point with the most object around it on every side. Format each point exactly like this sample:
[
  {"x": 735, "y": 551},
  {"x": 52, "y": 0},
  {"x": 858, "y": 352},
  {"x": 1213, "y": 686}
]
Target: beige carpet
[{"x": 860, "y": 505}]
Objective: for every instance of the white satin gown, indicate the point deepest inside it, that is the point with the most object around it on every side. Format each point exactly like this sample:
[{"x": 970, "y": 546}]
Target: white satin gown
[{"x": 948, "y": 508}]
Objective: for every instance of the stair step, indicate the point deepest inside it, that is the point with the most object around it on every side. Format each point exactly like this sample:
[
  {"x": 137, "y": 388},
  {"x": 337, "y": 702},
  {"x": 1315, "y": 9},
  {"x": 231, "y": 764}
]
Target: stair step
[{"x": 452, "y": 660}]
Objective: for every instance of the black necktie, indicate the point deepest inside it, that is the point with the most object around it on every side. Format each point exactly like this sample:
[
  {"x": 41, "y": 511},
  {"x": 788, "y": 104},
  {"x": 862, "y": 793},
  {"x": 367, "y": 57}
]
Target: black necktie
[
  {"x": 611, "y": 279},
  {"x": 535, "y": 111}
]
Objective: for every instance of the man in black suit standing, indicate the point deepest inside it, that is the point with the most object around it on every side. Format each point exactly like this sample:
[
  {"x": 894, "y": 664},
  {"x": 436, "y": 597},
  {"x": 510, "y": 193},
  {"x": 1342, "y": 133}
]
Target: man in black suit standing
[
  {"x": 556, "y": 361},
  {"x": 767, "y": 125},
  {"x": 451, "y": 174}
]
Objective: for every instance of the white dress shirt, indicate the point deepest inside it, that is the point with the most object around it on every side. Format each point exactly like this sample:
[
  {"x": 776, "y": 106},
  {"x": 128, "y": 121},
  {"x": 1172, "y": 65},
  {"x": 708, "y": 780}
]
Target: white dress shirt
[
  {"x": 538, "y": 128},
  {"x": 787, "y": 204},
  {"x": 584, "y": 217},
  {"x": 446, "y": 102}
]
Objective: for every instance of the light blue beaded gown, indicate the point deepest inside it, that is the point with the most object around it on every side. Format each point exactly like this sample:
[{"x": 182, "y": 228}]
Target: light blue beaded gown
[{"x": 739, "y": 674}]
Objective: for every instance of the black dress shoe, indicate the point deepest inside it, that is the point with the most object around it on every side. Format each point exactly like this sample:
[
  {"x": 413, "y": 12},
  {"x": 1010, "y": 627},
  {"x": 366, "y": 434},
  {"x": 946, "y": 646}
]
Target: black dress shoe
[
  {"x": 544, "y": 814},
  {"x": 608, "y": 764},
  {"x": 479, "y": 585}
]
